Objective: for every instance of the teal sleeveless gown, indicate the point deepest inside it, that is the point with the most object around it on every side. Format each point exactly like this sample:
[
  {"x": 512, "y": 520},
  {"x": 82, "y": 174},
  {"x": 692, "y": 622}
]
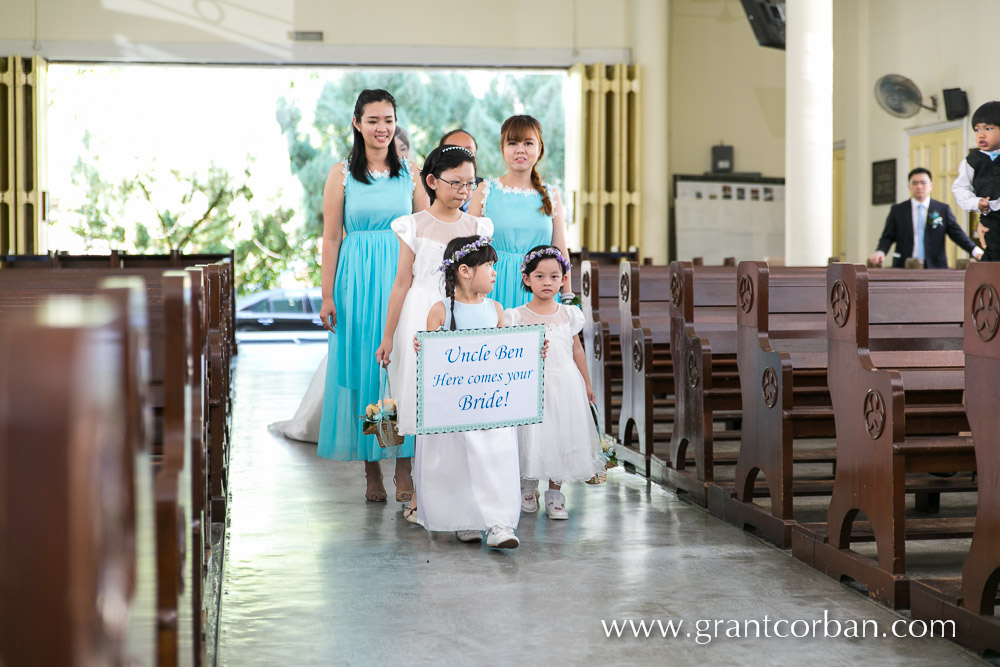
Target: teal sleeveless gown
[
  {"x": 366, "y": 269},
  {"x": 518, "y": 226}
]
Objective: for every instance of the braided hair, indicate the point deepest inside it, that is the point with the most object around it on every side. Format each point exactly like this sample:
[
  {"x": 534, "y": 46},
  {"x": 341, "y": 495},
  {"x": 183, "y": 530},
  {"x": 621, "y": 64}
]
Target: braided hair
[
  {"x": 518, "y": 128},
  {"x": 440, "y": 160},
  {"x": 478, "y": 257},
  {"x": 357, "y": 161}
]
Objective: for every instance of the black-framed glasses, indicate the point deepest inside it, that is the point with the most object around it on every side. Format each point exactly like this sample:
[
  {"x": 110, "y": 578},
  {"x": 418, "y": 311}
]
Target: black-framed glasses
[{"x": 458, "y": 186}]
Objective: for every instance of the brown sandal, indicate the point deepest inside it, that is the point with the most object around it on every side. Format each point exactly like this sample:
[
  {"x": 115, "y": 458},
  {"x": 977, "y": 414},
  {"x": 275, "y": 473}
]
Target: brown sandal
[
  {"x": 403, "y": 496},
  {"x": 374, "y": 496}
]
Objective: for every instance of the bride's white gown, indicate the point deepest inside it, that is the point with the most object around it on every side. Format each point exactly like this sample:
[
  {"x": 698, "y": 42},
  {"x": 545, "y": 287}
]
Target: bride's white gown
[{"x": 304, "y": 425}]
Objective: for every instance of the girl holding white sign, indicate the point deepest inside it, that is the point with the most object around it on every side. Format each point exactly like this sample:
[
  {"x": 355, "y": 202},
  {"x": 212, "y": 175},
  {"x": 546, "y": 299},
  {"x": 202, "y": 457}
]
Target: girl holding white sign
[
  {"x": 564, "y": 447},
  {"x": 468, "y": 481}
]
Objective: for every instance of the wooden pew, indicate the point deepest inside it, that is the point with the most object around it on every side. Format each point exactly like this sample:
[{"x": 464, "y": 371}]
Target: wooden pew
[
  {"x": 648, "y": 385},
  {"x": 180, "y": 599},
  {"x": 970, "y": 601},
  {"x": 782, "y": 359},
  {"x": 599, "y": 302},
  {"x": 179, "y": 500},
  {"x": 702, "y": 347},
  {"x": 647, "y": 370},
  {"x": 220, "y": 329},
  {"x": 610, "y": 258},
  {"x": 889, "y": 423},
  {"x": 783, "y": 370},
  {"x": 178, "y": 260},
  {"x": 79, "y": 567},
  {"x": 119, "y": 260}
]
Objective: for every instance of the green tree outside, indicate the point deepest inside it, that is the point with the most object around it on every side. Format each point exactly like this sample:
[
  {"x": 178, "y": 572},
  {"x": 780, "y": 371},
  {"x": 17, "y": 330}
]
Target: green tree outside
[
  {"x": 428, "y": 105},
  {"x": 208, "y": 209}
]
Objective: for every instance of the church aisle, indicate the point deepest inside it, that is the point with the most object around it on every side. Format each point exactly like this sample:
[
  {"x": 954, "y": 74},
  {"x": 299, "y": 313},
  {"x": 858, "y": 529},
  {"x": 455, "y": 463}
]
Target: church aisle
[{"x": 316, "y": 576}]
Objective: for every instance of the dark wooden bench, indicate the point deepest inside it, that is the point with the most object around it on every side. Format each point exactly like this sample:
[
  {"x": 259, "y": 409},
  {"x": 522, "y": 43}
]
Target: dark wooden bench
[
  {"x": 781, "y": 355},
  {"x": 647, "y": 377},
  {"x": 782, "y": 358},
  {"x": 970, "y": 601},
  {"x": 218, "y": 316},
  {"x": 898, "y": 411},
  {"x": 599, "y": 302},
  {"x": 176, "y": 443},
  {"x": 702, "y": 347},
  {"x": 119, "y": 260},
  {"x": 76, "y": 496}
]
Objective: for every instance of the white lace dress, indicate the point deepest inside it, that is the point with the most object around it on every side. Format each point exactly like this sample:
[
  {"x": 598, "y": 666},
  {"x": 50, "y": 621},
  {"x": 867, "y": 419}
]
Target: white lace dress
[
  {"x": 564, "y": 447},
  {"x": 427, "y": 237}
]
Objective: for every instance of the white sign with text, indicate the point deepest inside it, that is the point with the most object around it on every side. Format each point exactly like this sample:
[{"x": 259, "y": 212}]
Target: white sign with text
[{"x": 474, "y": 379}]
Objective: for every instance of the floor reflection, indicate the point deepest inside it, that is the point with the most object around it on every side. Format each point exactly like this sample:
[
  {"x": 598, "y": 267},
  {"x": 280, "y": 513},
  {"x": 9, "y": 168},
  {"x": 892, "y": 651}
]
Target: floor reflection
[{"x": 314, "y": 575}]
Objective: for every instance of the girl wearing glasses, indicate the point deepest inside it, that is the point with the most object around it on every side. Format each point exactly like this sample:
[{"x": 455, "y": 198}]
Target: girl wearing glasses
[
  {"x": 449, "y": 176},
  {"x": 526, "y": 211},
  {"x": 363, "y": 194}
]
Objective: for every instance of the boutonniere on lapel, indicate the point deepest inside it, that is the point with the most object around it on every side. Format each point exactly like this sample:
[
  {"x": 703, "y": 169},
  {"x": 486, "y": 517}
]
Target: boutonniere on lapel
[{"x": 935, "y": 220}]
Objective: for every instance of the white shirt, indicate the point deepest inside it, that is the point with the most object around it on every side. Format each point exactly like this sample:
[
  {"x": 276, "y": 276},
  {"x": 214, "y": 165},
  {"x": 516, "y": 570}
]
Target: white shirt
[
  {"x": 977, "y": 252},
  {"x": 964, "y": 193}
]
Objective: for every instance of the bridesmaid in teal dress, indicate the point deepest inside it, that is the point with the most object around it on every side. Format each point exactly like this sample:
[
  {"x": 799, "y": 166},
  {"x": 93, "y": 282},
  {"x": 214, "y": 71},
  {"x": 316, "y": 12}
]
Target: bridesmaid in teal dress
[
  {"x": 525, "y": 211},
  {"x": 363, "y": 194}
]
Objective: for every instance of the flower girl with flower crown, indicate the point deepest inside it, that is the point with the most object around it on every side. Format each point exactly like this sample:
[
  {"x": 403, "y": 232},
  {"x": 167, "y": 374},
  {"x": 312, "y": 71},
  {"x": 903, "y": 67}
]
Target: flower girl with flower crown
[
  {"x": 467, "y": 481},
  {"x": 564, "y": 447}
]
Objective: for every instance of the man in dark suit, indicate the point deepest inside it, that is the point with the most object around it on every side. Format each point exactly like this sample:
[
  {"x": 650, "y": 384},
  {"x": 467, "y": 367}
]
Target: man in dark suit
[{"x": 918, "y": 226}]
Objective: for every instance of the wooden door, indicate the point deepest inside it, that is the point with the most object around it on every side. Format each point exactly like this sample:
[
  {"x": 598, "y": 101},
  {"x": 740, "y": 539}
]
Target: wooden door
[{"x": 942, "y": 152}]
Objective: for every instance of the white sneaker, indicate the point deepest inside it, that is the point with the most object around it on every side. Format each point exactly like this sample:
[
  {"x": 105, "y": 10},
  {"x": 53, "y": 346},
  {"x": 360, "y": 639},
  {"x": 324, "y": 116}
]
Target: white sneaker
[
  {"x": 501, "y": 537},
  {"x": 555, "y": 505},
  {"x": 469, "y": 535},
  {"x": 529, "y": 495}
]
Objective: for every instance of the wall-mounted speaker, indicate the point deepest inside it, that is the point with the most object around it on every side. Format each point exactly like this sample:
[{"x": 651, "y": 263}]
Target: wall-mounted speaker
[
  {"x": 767, "y": 18},
  {"x": 956, "y": 103}
]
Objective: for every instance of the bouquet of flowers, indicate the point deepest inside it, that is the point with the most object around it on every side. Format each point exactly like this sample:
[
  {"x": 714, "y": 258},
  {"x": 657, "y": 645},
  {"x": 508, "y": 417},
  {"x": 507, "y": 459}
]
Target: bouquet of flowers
[
  {"x": 608, "y": 444},
  {"x": 380, "y": 418}
]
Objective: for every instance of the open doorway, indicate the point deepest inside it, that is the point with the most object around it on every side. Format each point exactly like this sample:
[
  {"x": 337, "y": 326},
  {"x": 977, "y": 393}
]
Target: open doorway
[{"x": 145, "y": 158}]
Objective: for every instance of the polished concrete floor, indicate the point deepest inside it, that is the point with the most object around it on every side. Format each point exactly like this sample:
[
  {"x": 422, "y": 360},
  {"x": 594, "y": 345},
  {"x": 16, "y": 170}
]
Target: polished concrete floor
[{"x": 314, "y": 575}]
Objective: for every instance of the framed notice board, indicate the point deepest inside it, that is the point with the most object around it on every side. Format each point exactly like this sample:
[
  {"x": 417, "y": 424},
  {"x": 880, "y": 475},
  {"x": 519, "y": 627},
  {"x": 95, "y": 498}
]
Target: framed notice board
[{"x": 884, "y": 182}]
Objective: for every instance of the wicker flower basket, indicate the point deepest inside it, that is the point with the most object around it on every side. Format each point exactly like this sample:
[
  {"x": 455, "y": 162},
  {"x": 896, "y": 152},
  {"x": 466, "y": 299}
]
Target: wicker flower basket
[
  {"x": 380, "y": 418},
  {"x": 385, "y": 431}
]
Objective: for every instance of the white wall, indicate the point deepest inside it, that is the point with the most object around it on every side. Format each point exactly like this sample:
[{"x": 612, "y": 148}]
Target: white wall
[
  {"x": 723, "y": 87},
  {"x": 936, "y": 43}
]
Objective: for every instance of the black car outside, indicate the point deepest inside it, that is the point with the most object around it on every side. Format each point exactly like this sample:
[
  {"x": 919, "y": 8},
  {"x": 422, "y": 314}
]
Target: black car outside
[{"x": 280, "y": 310}]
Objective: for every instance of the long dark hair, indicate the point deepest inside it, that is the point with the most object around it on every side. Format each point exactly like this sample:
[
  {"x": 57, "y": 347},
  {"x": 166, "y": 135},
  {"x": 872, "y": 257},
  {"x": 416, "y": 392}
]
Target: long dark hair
[
  {"x": 517, "y": 128},
  {"x": 442, "y": 159},
  {"x": 478, "y": 257},
  {"x": 357, "y": 161}
]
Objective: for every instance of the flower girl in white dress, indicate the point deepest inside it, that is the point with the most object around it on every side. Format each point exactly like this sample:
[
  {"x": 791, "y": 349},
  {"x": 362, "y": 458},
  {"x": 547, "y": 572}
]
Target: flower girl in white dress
[
  {"x": 467, "y": 481},
  {"x": 449, "y": 175},
  {"x": 564, "y": 447}
]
